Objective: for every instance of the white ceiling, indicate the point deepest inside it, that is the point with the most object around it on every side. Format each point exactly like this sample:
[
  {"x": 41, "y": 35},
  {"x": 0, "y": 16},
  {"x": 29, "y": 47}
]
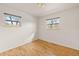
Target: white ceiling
[{"x": 32, "y": 9}]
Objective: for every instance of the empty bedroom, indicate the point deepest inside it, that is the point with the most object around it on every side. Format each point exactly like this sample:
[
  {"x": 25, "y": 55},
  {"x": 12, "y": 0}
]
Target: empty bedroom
[{"x": 39, "y": 29}]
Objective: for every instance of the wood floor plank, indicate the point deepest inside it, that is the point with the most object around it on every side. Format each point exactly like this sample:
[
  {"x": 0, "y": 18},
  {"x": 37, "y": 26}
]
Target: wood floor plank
[{"x": 41, "y": 48}]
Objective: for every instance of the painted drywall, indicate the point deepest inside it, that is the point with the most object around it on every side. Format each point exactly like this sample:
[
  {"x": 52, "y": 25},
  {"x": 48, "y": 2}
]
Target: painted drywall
[
  {"x": 13, "y": 37},
  {"x": 68, "y": 35}
]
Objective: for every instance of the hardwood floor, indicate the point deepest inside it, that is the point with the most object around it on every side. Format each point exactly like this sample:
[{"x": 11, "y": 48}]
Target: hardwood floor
[{"x": 41, "y": 48}]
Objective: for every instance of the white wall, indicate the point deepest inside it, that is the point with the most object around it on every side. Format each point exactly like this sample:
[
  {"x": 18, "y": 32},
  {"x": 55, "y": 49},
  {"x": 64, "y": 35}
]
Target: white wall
[
  {"x": 68, "y": 35},
  {"x": 13, "y": 37}
]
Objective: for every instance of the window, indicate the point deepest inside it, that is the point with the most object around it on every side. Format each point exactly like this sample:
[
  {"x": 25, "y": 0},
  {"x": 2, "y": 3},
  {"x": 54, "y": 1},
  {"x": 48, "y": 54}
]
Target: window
[
  {"x": 12, "y": 20},
  {"x": 53, "y": 22}
]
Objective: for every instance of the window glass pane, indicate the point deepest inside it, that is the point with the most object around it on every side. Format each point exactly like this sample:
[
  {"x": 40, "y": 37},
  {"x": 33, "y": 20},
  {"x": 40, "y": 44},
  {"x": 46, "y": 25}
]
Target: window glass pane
[
  {"x": 14, "y": 18},
  {"x": 56, "y": 21},
  {"x": 8, "y": 22},
  {"x": 49, "y": 22},
  {"x": 14, "y": 23},
  {"x": 8, "y": 18}
]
